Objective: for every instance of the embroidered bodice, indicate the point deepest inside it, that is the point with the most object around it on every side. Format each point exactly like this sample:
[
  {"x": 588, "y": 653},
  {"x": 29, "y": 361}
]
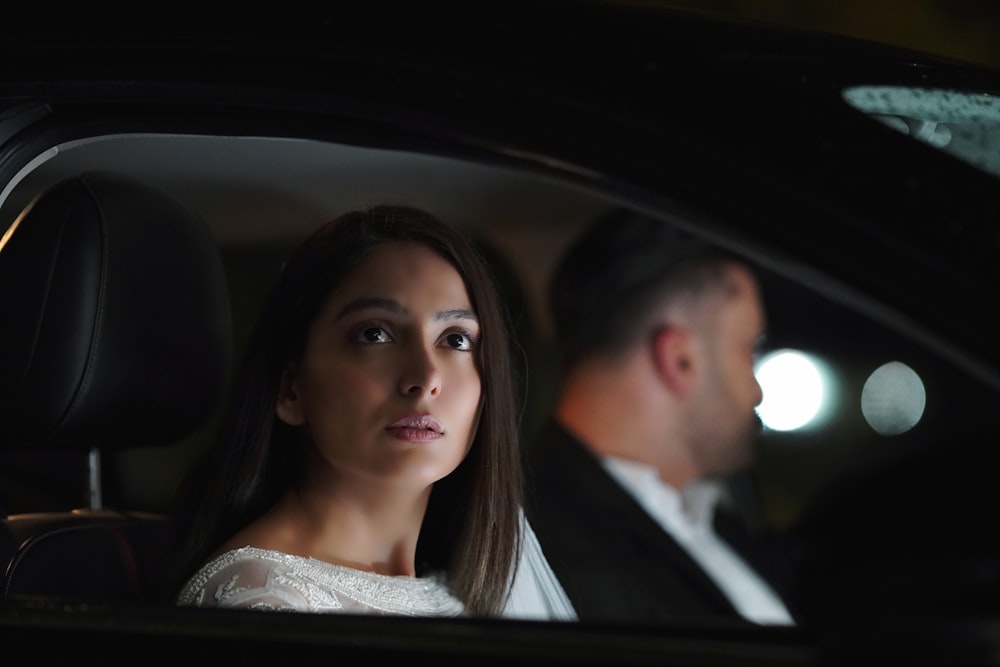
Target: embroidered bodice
[{"x": 251, "y": 578}]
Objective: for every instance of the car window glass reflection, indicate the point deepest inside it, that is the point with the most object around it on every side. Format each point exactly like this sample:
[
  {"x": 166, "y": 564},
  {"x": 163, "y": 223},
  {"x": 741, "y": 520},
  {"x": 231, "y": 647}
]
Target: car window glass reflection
[{"x": 964, "y": 124}]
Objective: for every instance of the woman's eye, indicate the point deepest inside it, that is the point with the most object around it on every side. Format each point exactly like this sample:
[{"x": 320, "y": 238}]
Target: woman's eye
[
  {"x": 459, "y": 341},
  {"x": 374, "y": 335}
]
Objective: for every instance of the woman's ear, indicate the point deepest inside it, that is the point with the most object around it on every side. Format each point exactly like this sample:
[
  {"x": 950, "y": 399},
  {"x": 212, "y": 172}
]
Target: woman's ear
[
  {"x": 673, "y": 356},
  {"x": 289, "y": 407}
]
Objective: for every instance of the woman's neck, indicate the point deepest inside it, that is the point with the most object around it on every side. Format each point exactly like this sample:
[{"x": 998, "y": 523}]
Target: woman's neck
[{"x": 372, "y": 536}]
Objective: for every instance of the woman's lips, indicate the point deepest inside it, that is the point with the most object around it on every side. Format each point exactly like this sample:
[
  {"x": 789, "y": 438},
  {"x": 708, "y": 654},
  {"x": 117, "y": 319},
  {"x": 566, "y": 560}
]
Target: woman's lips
[{"x": 416, "y": 428}]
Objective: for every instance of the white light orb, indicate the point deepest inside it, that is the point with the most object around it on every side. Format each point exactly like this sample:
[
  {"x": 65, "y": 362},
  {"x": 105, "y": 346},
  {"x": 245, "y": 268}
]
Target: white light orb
[
  {"x": 893, "y": 399},
  {"x": 792, "y": 385}
]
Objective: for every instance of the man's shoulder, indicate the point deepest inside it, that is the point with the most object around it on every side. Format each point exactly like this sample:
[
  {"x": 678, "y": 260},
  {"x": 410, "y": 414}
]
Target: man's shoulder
[
  {"x": 568, "y": 482},
  {"x": 555, "y": 451}
]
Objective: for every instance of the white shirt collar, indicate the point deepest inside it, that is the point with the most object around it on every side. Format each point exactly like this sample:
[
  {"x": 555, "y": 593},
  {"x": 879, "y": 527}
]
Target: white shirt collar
[
  {"x": 694, "y": 505},
  {"x": 688, "y": 515}
]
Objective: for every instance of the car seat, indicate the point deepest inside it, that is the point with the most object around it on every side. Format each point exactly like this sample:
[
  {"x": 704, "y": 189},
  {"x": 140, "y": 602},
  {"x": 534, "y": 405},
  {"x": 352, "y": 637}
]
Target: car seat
[{"x": 116, "y": 334}]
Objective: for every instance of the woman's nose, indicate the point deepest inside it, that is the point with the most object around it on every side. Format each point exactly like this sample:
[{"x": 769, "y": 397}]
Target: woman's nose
[{"x": 421, "y": 375}]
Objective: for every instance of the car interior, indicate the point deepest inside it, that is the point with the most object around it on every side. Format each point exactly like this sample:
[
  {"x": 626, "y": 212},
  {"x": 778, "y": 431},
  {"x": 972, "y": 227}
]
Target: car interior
[{"x": 112, "y": 381}]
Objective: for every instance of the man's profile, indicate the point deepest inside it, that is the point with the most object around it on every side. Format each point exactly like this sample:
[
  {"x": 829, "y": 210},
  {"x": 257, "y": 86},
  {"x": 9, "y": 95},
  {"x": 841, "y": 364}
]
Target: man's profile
[{"x": 657, "y": 332}]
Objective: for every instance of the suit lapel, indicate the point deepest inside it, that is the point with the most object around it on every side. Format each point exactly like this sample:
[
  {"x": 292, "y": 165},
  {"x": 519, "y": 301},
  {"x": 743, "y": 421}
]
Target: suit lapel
[{"x": 624, "y": 523}]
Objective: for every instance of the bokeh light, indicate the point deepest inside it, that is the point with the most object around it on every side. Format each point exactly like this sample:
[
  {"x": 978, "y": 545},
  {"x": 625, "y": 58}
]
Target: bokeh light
[
  {"x": 793, "y": 388},
  {"x": 893, "y": 399}
]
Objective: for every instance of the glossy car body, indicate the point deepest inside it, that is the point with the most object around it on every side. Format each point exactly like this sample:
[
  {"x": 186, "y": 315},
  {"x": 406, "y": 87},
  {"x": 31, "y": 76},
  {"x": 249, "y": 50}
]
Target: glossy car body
[{"x": 525, "y": 122}]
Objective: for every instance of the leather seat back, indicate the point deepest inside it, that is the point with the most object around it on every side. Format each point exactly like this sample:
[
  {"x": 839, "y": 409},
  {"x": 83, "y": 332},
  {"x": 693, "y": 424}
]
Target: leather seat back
[{"x": 116, "y": 334}]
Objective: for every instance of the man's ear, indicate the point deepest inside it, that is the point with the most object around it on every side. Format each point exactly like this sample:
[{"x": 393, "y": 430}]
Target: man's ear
[
  {"x": 289, "y": 407},
  {"x": 673, "y": 355}
]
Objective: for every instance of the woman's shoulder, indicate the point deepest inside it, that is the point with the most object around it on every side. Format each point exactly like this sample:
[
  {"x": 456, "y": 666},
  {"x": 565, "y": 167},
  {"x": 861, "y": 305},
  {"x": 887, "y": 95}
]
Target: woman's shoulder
[
  {"x": 246, "y": 577},
  {"x": 254, "y": 578},
  {"x": 240, "y": 559}
]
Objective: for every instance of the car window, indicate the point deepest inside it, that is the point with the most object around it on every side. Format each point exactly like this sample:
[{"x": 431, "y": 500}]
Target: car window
[{"x": 842, "y": 391}]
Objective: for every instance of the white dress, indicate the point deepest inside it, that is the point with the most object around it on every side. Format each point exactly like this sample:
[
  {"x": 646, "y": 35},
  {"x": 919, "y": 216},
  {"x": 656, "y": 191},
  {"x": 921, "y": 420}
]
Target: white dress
[
  {"x": 252, "y": 578},
  {"x": 536, "y": 593}
]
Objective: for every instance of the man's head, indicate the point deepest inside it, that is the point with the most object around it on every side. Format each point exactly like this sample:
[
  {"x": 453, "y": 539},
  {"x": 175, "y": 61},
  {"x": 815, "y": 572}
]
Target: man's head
[{"x": 634, "y": 287}]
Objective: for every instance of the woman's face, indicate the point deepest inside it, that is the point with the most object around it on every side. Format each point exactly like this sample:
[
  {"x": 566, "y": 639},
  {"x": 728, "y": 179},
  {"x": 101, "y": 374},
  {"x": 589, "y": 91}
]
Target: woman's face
[{"x": 387, "y": 389}]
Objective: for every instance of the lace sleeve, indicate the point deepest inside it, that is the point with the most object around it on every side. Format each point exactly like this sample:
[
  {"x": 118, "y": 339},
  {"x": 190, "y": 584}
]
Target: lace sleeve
[
  {"x": 262, "y": 579},
  {"x": 245, "y": 584}
]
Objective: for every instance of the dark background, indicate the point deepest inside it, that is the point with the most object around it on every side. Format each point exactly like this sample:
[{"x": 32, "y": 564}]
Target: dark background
[{"x": 966, "y": 30}]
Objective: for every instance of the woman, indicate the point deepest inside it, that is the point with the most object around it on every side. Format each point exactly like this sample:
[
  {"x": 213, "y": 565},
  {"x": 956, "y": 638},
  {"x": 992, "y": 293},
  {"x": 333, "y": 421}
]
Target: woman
[{"x": 369, "y": 459}]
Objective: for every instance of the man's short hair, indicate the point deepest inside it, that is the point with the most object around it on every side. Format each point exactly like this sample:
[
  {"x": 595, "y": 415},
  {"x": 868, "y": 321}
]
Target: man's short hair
[{"x": 604, "y": 286}]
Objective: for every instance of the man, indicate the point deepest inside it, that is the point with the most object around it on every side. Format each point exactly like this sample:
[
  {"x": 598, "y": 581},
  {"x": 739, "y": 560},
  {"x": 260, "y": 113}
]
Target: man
[{"x": 656, "y": 332}]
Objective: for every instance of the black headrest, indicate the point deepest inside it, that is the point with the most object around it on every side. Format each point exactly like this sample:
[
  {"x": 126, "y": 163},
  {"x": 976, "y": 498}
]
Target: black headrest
[{"x": 116, "y": 327}]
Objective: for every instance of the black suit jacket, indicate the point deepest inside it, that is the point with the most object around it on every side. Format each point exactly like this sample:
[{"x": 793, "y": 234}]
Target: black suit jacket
[{"x": 612, "y": 558}]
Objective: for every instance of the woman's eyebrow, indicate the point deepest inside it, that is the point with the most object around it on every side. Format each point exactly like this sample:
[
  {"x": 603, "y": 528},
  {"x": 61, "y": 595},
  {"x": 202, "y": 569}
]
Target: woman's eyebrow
[
  {"x": 372, "y": 303},
  {"x": 396, "y": 308},
  {"x": 456, "y": 314}
]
